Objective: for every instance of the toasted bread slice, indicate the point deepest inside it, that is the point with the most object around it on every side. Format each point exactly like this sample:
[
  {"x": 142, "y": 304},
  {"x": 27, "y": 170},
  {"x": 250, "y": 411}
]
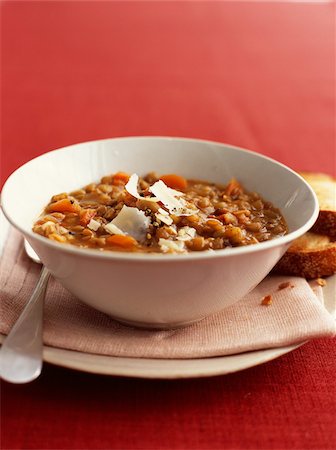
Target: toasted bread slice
[
  {"x": 325, "y": 189},
  {"x": 311, "y": 256}
]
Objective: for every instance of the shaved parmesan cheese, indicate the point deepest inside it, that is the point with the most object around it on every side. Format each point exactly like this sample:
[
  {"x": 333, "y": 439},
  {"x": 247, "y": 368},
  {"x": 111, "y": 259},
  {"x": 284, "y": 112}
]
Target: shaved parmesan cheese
[
  {"x": 113, "y": 229},
  {"x": 162, "y": 192},
  {"x": 171, "y": 246},
  {"x": 132, "y": 188},
  {"x": 186, "y": 234},
  {"x": 163, "y": 212},
  {"x": 186, "y": 209},
  {"x": 132, "y": 185},
  {"x": 164, "y": 218},
  {"x": 130, "y": 221},
  {"x": 165, "y": 195},
  {"x": 93, "y": 225},
  {"x": 175, "y": 193}
]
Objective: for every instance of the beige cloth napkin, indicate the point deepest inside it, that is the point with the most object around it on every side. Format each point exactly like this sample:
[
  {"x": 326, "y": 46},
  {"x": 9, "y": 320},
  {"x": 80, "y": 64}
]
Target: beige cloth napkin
[{"x": 295, "y": 315}]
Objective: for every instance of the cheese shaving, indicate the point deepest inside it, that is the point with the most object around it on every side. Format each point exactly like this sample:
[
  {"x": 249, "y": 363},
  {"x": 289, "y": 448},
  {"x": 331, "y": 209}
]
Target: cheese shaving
[
  {"x": 132, "y": 188},
  {"x": 186, "y": 210},
  {"x": 168, "y": 246},
  {"x": 164, "y": 218},
  {"x": 113, "y": 229},
  {"x": 162, "y": 192},
  {"x": 175, "y": 193},
  {"x": 93, "y": 225},
  {"x": 165, "y": 195},
  {"x": 163, "y": 212},
  {"x": 186, "y": 234},
  {"x": 130, "y": 221}
]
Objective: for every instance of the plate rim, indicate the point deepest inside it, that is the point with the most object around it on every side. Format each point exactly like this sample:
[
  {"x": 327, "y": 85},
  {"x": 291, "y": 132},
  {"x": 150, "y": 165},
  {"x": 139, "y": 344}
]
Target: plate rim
[{"x": 156, "y": 368}]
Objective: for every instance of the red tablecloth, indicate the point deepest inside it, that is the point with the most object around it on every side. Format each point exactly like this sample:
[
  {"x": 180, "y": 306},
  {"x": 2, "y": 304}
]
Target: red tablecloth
[{"x": 257, "y": 75}]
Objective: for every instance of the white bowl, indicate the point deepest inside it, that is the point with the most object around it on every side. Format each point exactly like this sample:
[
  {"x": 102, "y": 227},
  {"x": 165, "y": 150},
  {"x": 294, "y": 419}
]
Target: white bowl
[{"x": 156, "y": 290}]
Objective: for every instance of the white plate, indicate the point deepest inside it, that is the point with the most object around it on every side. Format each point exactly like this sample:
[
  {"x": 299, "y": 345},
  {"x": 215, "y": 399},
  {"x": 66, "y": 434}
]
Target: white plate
[{"x": 167, "y": 368}]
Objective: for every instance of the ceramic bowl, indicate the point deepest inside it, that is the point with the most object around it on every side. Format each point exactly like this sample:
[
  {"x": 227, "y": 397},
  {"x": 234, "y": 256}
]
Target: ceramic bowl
[{"x": 157, "y": 290}]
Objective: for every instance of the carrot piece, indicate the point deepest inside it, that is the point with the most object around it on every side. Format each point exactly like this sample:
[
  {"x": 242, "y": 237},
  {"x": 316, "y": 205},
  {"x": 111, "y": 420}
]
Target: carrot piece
[
  {"x": 174, "y": 181},
  {"x": 122, "y": 241},
  {"x": 120, "y": 178},
  {"x": 232, "y": 186},
  {"x": 64, "y": 205},
  {"x": 86, "y": 215}
]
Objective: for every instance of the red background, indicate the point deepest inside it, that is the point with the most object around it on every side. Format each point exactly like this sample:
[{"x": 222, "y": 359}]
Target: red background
[{"x": 257, "y": 75}]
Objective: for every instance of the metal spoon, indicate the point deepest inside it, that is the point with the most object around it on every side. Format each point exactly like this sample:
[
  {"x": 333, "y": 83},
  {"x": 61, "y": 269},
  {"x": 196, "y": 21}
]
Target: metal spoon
[{"x": 21, "y": 351}]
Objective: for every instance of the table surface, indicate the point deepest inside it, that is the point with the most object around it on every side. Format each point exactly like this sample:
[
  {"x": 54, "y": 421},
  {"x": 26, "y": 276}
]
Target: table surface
[{"x": 259, "y": 75}]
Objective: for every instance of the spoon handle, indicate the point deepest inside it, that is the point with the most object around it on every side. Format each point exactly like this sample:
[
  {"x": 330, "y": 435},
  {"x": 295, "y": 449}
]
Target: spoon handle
[{"x": 21, "y": 352}]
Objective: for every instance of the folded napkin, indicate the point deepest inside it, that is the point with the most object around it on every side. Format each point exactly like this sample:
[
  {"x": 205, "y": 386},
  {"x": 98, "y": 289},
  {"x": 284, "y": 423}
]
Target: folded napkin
[{"x": 295, "y": 315}]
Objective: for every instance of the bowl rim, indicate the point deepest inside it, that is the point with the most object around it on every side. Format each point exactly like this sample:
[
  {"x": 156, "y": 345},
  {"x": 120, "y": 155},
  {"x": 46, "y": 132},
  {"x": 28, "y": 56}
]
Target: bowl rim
[{"x": 150, "y": 257}]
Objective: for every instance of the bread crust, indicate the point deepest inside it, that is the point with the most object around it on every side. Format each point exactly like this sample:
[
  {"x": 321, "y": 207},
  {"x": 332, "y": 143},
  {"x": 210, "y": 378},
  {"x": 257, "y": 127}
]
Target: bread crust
[
  {"x": 311, "y": 256},
  {"x": 326, "y": 223},
  {"x": 308, "y": 265},
  {"x": 325, "y": 188}
]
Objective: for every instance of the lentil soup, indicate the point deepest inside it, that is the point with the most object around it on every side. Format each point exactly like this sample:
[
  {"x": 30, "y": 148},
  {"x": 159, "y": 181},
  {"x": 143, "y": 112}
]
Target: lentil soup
[{"x": 162, "y": 214}]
